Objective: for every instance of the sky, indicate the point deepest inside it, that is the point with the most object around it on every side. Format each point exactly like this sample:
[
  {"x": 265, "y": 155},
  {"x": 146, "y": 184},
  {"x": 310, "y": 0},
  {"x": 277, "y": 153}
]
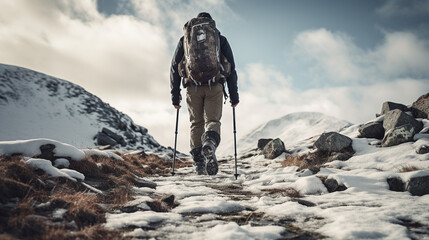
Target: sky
[{"x": 339, "y": 57}]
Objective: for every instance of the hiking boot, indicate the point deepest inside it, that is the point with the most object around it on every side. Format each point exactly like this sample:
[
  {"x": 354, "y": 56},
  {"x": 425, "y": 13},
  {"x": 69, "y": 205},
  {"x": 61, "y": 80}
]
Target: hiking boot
[
  {"x": 199, "y": 162},
  {"x": 210, "y": 140}
]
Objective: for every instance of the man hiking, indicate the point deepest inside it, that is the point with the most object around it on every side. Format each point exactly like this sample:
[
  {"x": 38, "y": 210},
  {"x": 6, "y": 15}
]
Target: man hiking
[{"x": 203, "y": 62}]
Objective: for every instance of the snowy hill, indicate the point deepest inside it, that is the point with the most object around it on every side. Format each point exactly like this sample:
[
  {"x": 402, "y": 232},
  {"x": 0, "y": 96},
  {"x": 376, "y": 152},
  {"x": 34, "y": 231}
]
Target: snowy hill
[
  {"x": 35, "y": 105},
  {"x": 292, "y": 129}
]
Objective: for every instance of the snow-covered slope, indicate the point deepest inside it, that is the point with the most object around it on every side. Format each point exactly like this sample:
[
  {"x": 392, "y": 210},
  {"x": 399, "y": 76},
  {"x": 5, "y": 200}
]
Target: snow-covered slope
[
  {"x": 292, "y": 129},
  {"x": 35, "y": 105}
]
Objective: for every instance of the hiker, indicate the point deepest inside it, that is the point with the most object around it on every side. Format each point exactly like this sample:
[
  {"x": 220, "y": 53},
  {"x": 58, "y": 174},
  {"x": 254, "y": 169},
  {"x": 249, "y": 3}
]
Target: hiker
[{"x": 203, "y": 62}]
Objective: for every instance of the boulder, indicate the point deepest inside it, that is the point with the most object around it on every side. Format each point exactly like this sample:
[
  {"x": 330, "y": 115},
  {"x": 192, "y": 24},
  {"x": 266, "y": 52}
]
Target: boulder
[
  {"x": 418, "y": 186},
  {"x": 333, "y": 186},
  {"x": 263, "y": 142},
  {"x": 119, "y": 139},
  {"x": 334, "y": 142},
  {"x": 389, "y": 106},
  {"x": 274, "y": 148},
  {"x": 103, "y": 139},
  {"x": 420, "y": 108},
  {"x": 396, "y": 118},
  {"x": 396, "y": 184},
  {"x": 372, "y": 130},
  {"x": 47, "y": 152},
  {"x": 398, "y": 135}
]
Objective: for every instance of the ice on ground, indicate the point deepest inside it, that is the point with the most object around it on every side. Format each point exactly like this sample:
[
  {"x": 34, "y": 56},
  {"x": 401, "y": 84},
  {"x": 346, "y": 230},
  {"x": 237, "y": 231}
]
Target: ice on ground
[
  {"x": 233, "y": 231},
  {"x": 207, "y": 204},
  {"x": 31, "y": 148},
  {"x": 139, "y": 219}
]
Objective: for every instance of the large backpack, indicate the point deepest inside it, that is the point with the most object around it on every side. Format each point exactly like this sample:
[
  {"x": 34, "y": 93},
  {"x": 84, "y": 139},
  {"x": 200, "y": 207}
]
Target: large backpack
[{"x": 202, "y": 59}]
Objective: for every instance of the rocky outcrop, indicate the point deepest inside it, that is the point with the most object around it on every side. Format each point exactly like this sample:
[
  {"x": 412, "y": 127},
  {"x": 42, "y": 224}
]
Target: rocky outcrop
[
  {"x": 334, "y": 142},
  {"x": 420, "y": 108},
  {"x": 396, "y": 118},
  {"x": 372, "y": 130},
  {"x": 263, "y": 142},
  {"x": 398, "y": 135},
  {"x": 274, "y": 149},
  {"x": 389, "y": 106}
]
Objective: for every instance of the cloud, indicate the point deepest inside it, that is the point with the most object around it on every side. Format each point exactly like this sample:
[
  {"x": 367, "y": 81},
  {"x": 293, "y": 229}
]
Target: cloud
[
  {"x": 336, "y": 60},
  {"x": 404, "y": 8}
]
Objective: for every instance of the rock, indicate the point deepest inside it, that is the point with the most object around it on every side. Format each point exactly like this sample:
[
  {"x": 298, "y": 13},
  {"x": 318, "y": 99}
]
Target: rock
[
  {"x": 372, "y": 130},
  {"x": 423, "y": 149},
  {"x": 305, "y": 203},
  {"x": 396, "y": 118},
  {"x": 263, "y": 142},
  {"x": 333, "y": 186},
  {"x": 103, "y": 139},
  {"x": 169, "y": 200},
  {"x": 396, "y": 184},
  {"x": 389, "y": 106},
  {"x": 398, "y": 135},
  {"x": 420, "y": 108},
  {"x": 119, "y": 139},
  {"x": 274, "y": 148},
  {"x": 418, "y": 186},
  {"x": 334, "y": 142},
  {"x": 342, "y": 156},
  {"x": 138, "y": 182},
  {"x": 47, "y": 152}
]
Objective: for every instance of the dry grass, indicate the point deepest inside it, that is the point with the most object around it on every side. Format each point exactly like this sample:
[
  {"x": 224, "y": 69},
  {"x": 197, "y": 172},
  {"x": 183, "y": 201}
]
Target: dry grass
[
  {"x": 283, "y": 192},
  {"x": 312, "y": 161},
  {"x": 37, "y": 195},
  {"x": 409, "y": 168}
]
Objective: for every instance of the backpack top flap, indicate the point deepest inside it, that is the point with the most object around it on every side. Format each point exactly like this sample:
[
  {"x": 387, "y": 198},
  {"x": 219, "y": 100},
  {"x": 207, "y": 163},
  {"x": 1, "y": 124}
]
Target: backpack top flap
[{"x": 201, "y": 45}]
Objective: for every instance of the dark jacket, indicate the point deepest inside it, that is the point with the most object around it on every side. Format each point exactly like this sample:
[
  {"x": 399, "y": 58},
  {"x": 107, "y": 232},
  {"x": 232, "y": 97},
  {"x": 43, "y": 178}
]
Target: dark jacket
[{"x": 175, "y": 79}]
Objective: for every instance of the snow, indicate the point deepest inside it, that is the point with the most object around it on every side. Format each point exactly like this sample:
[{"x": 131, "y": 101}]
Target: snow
[
  {"x": 207, "y": 204},
  {"x": 310, "y": 185},
  {"x": 46, "y": 166},
  {"x": 74, "y": 174},
  {"x": 233, "y": 231},
  {"x": 31, "y": 148},
  {"x": 139, "y": 219},
  {"x": 61, "y": 162}
]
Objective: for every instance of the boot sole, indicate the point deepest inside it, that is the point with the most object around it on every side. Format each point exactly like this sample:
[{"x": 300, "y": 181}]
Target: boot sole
[{"x": 211, "y": 161}]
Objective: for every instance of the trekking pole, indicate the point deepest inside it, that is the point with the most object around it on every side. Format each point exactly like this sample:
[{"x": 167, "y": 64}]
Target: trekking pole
[
  {"x": 235, "y": 143},
  {"x": 175, "y": 141}
]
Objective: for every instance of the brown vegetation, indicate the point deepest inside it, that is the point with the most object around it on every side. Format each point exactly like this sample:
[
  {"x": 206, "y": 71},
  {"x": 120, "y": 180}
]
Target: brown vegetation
[
  {"x": 409, "y": 168},
  {"x": 29, "y": 198},
  {"x": 312, "y": 161}
]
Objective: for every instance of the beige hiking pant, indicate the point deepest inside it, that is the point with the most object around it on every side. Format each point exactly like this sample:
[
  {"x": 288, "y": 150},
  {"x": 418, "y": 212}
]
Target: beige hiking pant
[{"x": 205, "y": 110}]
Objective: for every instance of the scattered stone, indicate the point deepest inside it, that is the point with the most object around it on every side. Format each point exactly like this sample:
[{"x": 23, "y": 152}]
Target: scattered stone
[
  {"x": 423, "y": 149},
  {"x": 396, "y": 118},
  {"x": 342, "y": 156},
  {"x": 389, "y": 106},
  {"x": 372, "y": 130},
  {"x": 138, "y": 182},
  {"x": 103, "y": 139},
  {"x": 334, "y": 142},
  {"x": 305, "y": 202},
  {"x": 169, "y": 200},
  {"x": 263, "y": 142},
  {"x": 418, "y": 186},
  {"x": 420, "y": 107},
  {"x": 333, "y": 186},
  {"x": 398, "y": 135},
  {"x": 274, "y": 149},
  {"x": 396, "y": 184}
]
